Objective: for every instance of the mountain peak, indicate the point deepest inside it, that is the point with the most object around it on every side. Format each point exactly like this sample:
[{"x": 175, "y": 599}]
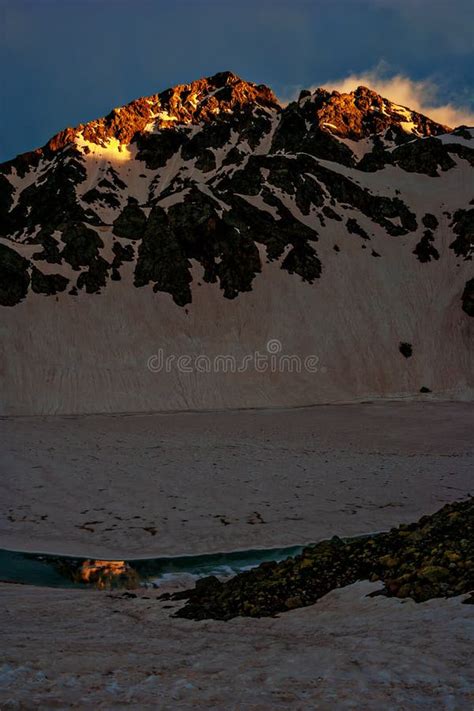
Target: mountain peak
[
  {"x": 199, "y": 101},
  {"x": 207, "y": 97},
  {"x": 363, "y": 112}
]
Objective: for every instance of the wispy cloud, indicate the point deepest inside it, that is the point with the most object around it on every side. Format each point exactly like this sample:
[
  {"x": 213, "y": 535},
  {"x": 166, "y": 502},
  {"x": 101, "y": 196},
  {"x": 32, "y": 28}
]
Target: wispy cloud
[{"x": 419, "y": 96}]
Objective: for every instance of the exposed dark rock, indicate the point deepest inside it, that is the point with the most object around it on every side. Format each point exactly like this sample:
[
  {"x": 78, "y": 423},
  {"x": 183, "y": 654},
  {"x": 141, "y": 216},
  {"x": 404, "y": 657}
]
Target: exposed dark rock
[
  {"x": 308, "y": 194},
  {"x": 463, "y": 227},
  {"x": 353, "y": 227},
  {"x": 461, "y": 151},
  {"x": 211, "y": 136},
  {"x": 406, "y": 349},
  {"x": 14, "y": 276},
  {"x": 464, "y": 132},
  {"x": 239, "y": 260},
  {"x": 246, "y": 181},
  {"x": 52, "y": 200},
  {"x": 155, "y": 149},
  {"x": 424, "y": 155},
  {"x": 425, "y": 250},
  {"x": 468, "y": 298},
  {"x": 122, "y": 254},
  {"x": 94, "y": 195},
  {"x": 206, "y": 161},
  {"x": 162, "y": 260},
  {"x": 6, "y": 201},
  {"x": 106, "y": 184},
  {"x": 50, "y": 252},
  {"x": 130, "y": 223},
  {"x": 261, "y": 225},
  {"x": 47, "y": 284},
  {"x": 379, "y": 208},
  {"x": 227, "y": 253},
  {"x": 115, "y": 178},
  {"x": 293, "y": 136},
  {"x": 252, "y": 124},
  {"x": 302, "y": 260},
  {"x": 81, "y": 245},
  {"x": 234, "y": 157},
  {"x": 95, "y": 277},
  {"x": 430, "y": 221},
  {"x": 421, "y": 155},
  {"x": 329, "y": 212}
]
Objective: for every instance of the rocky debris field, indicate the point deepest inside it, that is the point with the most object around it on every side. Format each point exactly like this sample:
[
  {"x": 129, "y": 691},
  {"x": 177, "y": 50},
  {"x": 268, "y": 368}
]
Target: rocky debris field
[{"x": 431, "y": 558}]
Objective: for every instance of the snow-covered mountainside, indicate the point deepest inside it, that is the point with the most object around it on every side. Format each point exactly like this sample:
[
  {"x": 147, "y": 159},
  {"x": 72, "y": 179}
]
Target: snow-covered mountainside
[{"x": 209, "y": 220}]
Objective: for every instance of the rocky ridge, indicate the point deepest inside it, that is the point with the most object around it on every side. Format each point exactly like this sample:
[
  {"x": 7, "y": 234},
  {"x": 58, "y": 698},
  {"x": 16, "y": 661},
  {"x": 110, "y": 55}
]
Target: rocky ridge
[{"x": 219, "y": 173}]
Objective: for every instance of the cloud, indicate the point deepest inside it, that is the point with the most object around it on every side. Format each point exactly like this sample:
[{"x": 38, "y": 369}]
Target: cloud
[{"x": 419, "y": 96}]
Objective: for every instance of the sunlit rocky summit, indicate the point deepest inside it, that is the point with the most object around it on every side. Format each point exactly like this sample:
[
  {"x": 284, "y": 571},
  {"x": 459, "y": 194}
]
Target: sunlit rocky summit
[{"x": 211, "y": 219}]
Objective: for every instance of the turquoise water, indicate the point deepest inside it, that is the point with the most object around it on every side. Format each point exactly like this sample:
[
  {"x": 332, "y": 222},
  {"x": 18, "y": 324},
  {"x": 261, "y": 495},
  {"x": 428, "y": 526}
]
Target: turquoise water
[{"x": 43, "y": 569}]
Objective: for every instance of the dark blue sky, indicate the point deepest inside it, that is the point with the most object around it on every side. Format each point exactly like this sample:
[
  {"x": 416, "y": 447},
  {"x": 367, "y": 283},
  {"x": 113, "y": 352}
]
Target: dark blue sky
[{"x": 68, "y": 61}]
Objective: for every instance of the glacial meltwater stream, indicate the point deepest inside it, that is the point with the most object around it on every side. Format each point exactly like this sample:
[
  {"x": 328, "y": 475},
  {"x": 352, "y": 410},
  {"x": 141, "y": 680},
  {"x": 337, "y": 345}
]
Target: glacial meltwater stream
[{"x": 67, "y": 571}]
